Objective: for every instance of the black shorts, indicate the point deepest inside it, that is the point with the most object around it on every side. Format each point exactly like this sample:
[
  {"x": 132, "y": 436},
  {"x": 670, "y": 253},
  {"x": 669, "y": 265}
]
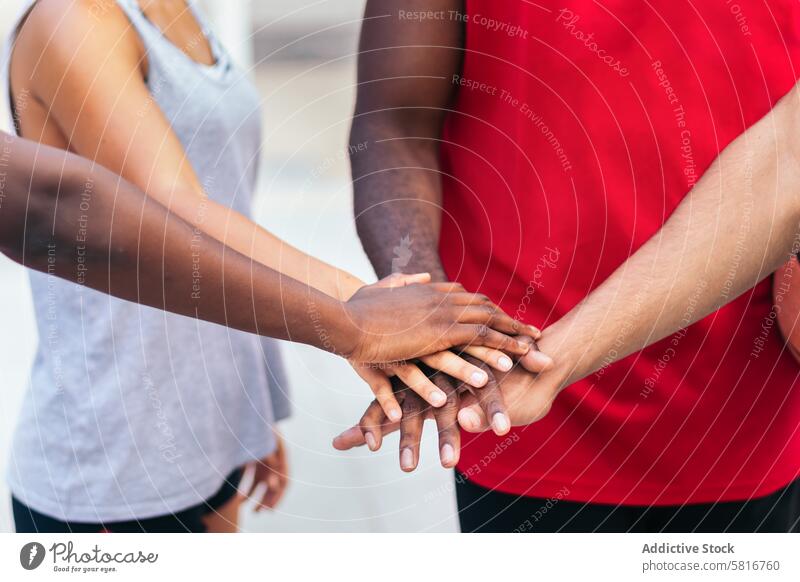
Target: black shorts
[
  {"x": 189, "y": 520},
  {"x": 484, "y": 510}
]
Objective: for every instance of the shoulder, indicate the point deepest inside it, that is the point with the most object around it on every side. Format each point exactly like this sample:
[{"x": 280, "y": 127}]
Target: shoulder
[
  {"x": 58, "y": 18},
  {"x": 61, "y": 32}
]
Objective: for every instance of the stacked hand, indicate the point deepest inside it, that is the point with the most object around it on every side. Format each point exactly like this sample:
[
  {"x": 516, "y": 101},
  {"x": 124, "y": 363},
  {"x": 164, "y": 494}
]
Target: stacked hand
[
  {"x": 515, "y": 396},
  {"x": 398, "y": 321},
  {"x": 429, "y": 318}
]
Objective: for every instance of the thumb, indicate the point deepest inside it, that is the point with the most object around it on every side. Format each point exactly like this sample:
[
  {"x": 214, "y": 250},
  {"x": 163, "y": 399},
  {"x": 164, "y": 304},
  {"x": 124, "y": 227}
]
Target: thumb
[{"x": 352, "y": 437}]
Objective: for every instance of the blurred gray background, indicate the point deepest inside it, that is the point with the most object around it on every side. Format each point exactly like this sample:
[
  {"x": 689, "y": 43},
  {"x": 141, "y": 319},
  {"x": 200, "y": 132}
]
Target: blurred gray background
[{"x": 302, "y": 54}]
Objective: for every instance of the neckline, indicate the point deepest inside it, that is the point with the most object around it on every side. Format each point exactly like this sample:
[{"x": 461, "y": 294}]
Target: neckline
[{"x": 220, "y": 64}]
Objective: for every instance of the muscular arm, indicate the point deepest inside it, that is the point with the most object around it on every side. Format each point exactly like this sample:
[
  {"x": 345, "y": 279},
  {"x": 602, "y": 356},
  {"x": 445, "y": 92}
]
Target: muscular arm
[{"x": 405, "y": 72}]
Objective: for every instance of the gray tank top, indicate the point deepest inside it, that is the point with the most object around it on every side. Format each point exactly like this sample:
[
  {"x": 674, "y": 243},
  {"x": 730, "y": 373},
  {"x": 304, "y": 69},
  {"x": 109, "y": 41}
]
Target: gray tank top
[{"x": 131, "y": 412}]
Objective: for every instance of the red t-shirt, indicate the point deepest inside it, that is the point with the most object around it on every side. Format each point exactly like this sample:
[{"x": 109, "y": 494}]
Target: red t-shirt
[{"x": 578, "y": 128}]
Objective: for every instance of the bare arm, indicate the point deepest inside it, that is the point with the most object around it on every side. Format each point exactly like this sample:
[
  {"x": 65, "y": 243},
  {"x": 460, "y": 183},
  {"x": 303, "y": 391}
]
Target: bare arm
[
  {"x": 65, "y": 216},
  {"x": 737, "y": 226},
  {"x": 408, "y": 55},
  {"x": 405, "y": 69},
  {"x": 83, "y": 73},
  {"x": 748, "y": 200}
]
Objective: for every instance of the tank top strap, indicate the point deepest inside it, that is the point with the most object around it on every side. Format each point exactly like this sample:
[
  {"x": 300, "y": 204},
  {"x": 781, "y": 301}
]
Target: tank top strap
[
  {"x": 148, "y": 33},
  {"x": 162, "y": 52}
]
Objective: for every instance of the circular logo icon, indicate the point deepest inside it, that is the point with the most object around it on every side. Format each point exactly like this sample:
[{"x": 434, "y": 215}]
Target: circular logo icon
[{"x": 31, "y": 555}]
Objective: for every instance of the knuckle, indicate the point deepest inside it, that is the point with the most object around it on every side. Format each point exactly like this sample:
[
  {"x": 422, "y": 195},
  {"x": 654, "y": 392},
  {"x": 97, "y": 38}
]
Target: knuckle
[{"x": 412, "y": 406}]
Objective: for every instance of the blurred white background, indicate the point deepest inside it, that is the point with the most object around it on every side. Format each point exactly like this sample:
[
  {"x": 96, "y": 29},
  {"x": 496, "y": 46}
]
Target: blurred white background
[{"x": 303, "y": 58}]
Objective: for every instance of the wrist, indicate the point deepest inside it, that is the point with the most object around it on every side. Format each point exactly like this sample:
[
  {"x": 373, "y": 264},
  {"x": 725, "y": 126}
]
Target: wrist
[
  {"x": 332, "y": 326},
  {"x": 571, "y": 351},
  {"x": 348, "y": 335}
]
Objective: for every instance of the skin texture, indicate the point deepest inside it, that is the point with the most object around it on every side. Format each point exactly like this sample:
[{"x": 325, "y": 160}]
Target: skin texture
[{"x": 404, "y": 92}]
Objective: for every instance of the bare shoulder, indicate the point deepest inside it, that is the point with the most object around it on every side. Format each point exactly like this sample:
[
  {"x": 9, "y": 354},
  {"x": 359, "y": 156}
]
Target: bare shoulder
[{"x": 58, "y": 33}]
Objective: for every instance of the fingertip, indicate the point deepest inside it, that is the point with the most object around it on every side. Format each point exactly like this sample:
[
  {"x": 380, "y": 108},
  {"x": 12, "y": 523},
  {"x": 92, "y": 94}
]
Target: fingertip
[
  {"x": 532, "y": 331},
  {"x": 478, "y": 378},
  {"x": 501, "y": 424},
  {"x": 447, "y": 455},
  {"x": 437, "y": 398},
  {"x": 504, "y": 363},
  {"x": 407, "y": 460},
  {"x": 423, "y": 277},
  {"x": 348, "y": 439}
]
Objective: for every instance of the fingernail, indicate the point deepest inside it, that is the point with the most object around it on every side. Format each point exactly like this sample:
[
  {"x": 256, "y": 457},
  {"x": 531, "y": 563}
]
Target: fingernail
[
  {"x": 438, "y": 398},
  {"x": 468, "y": 418},
  {"x": 395, "y": 414},
  {"x": 448, "y": 454},
  {"x": 501, "y": 423},
  {"x": 505, "y": 363},
  {"x": 524, "y": 347},
  {"x": 537, "y": 333},
  {"x": 541, "y": 360},
  {"x": 479, "y": 379},
  {"x": 406, "y": 459},
  {"x": 371, "y": 442}
]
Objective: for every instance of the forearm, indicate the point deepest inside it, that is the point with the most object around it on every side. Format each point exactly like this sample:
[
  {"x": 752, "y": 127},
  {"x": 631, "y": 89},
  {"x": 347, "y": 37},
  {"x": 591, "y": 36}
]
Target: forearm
[
  {"x": 82, "y": 223},
  {"x": 397, "y": 197},
  {"x": 737, "y": 226},
  {"x": 405, "y": 71},
  {"x": 244, "y": 236}
]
